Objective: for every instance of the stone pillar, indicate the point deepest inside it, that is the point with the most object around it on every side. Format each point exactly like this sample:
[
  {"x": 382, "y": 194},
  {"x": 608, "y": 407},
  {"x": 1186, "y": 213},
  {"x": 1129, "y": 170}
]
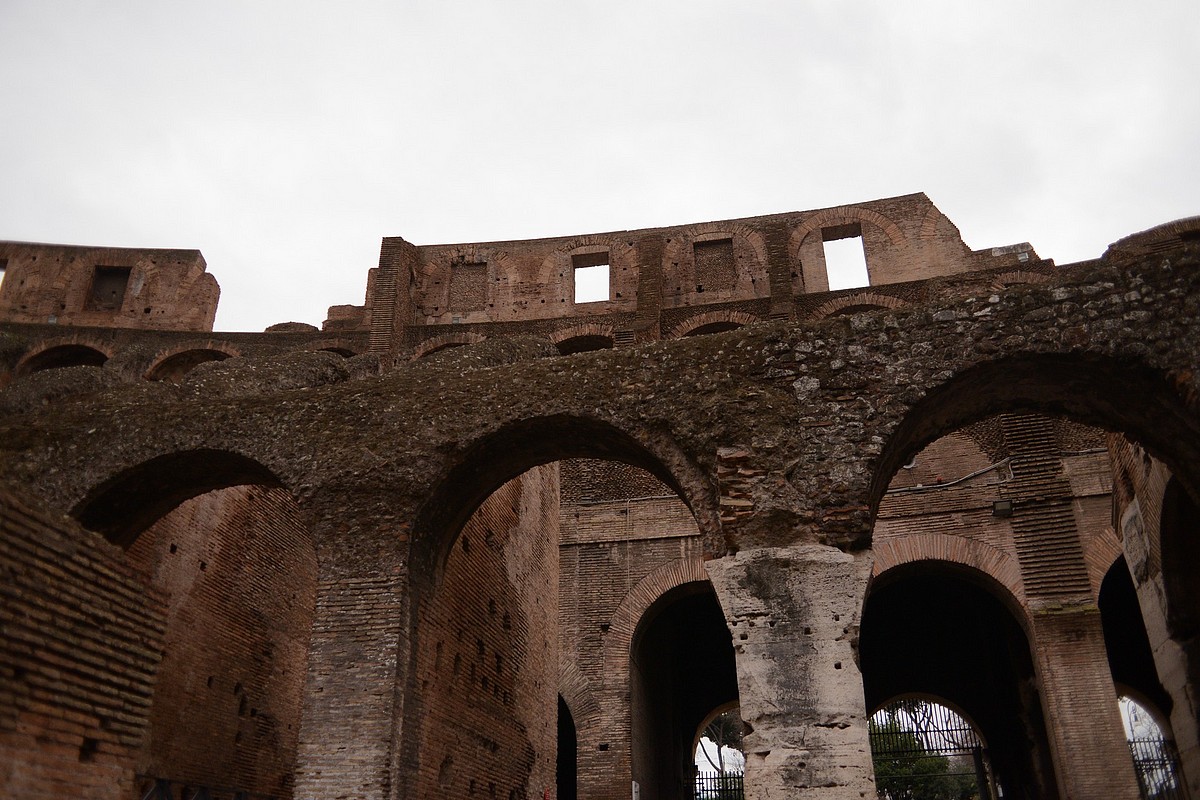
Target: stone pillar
[
  {"x": 1083, "y": 722},
  {"x": 358, "y": 657},
  {"x": 794, "y": 615}
]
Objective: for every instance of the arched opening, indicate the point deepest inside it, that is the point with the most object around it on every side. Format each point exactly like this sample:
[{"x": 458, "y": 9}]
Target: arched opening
[
  {"x": 1180, "y": 543},
  {"x": 344, "y": 352},
  {"x": 1022, "y": 504},
  {"x": 513, "y": 575},
  {"x": 174, "y": 367},
  {"x": 63, "y": 355},
  {"x": 681, "y": 669},
  {"x": 720, "y": 756},
  {"x": 226, "y": 550},
  {"x": 921, "y": 748},
  {"x": 933, "y": 630},
  {"x": 713, "y": 327},
  {"x": 1154, "y": 758},
  {"x": 584, "y": 344},
  {"x": 124, "y": 506},
  {"x": 566, "y": 774},
  {"x": 1126, "y": 641}
]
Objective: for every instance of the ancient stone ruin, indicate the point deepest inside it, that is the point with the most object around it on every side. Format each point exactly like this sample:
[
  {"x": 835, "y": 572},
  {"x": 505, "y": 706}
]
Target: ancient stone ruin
[{"x": 530, "y": 518}]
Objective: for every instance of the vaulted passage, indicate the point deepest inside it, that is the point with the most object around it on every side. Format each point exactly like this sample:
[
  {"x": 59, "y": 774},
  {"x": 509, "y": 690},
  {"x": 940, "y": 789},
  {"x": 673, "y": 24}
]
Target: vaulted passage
[
  {"x": 681, "y": 671},
  {"x": 934, "y": 633}
]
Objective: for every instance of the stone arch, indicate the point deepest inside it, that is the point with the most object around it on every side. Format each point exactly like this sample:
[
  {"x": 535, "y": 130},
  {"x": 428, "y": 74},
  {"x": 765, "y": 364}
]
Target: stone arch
[
  {"x": 72, "y": 352},
  {"x": 177, "y": 362},
  {"x": 999, "y": 567},
  {"x": 842, "y": 215},
  {"x": 445, "y": 341},
  {"x": 485, "y": 464},
  {"x": 1096, "y": 390},
  {"x": 871, "y": 299},
  {"x": 127, "y": 503},
  {"x": 694, "y": 323}
]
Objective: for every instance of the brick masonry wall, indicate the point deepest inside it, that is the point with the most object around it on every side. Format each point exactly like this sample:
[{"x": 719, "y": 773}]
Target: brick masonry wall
[
  {"x": 629, "y": 527},
  {"x": 79, "y": 642},
  {"x": 905, "y": 238},
  {"x": 62, "y": 284},
  {"x": 238, "y": 570},
  {"x": 487, "y": 652}
]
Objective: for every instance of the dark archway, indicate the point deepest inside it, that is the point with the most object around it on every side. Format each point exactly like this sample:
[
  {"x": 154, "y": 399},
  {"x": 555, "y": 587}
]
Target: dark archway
[
  {"x": 584, "y": 344},
  {"x": 682, "y": 669},
  {"x": 937, "y": 630},
  {"x": 1129, "y": 655},
  {"x": 126, "y": 504},
  {"x": 174, "y": 367},
  {"x": 713, "y": 327},
  {"x": 567, "y": 772},
  {"x": 63, "y": 355}
]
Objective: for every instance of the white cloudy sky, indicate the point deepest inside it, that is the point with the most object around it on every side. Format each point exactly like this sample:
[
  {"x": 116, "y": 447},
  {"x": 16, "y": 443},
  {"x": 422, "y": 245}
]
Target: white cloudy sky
[{"x": 284, "y": 139}]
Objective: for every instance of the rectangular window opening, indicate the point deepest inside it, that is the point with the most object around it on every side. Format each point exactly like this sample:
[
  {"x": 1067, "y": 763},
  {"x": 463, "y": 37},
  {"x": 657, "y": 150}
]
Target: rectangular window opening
[
  {"x": 108, "y": 288},
  {"x": 591, "y": 275},
  {"x": 845, "y": 258},
  {"x": 3, "y": 269}
]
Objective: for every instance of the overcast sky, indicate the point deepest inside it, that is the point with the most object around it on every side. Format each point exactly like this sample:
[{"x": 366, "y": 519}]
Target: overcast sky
[{"x": 284, "y": 139}]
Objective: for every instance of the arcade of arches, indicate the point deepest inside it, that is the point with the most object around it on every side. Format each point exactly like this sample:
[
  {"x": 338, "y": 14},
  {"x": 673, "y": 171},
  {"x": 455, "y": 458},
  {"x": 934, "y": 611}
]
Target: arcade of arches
[{"x": 519, "y": 568}]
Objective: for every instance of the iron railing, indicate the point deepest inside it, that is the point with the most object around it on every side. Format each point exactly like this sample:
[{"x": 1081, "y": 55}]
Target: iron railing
[
  {"x": 719, "y": 786},
  {"x": 1157, "y": 768}
]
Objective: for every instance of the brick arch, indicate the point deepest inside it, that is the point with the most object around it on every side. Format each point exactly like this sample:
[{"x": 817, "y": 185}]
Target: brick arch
[
  {"x": 1100, "y": 552},
  {"x": 64, "y": 345},
  {"x": 633, "y": 607},
  {"x": 677, "y": 248},
  {"x": 620, "y": 253},
  {"x": 576, "y": 691},
  {"x": 930, "y": 222},
  {"x": 999, "y": 566},
  {"x": 841, "y": 216},
  {"x": 709, "y": 318},
  {"x": 440, "y": 262},
  {"x": 831, "y": 307},
  {"x": 561, "y": 335},
  {"x": 430, "y": 346}
]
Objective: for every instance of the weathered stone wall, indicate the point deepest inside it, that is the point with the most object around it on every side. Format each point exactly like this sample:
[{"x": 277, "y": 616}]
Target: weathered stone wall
[{"x": 80, "y": 635}]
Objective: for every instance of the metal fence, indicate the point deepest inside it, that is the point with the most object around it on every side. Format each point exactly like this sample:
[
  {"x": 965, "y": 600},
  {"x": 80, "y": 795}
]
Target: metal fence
[
  {"x": 1157, "y": 768},
  {"x": 925, "y": 751},
  {"x": 719, "y": 786}
]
